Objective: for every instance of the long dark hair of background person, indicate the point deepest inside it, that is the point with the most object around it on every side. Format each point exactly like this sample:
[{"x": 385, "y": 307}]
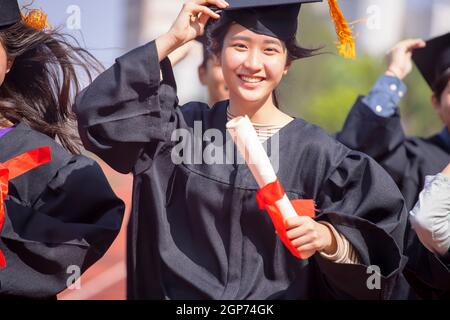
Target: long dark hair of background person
[{"x": 41, "y": 85}]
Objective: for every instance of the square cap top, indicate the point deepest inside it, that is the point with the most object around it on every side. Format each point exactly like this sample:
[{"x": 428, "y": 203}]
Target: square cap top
[
  {"x": 9, "y": 12},
  {"x": 434, "y": 59},
  {"x": 242, "y": 4},
  {"x": 275, "y": 18}
]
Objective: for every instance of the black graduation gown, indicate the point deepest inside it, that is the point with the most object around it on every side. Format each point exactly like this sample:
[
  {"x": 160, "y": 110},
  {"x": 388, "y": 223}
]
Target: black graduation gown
[
  {"x": 195, "y": 230},
  {"x": 408, "y": 160},
  {"x": 58, "y": 215}
]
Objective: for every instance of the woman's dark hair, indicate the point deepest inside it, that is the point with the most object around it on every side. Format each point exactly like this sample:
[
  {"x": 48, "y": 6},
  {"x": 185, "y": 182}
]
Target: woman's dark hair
[
  {"x": 206, "y": 56},
  {"x": 42, "y": 83},
  {"x": 217, "y": 31},
  {"x": 441, "y": 83}
]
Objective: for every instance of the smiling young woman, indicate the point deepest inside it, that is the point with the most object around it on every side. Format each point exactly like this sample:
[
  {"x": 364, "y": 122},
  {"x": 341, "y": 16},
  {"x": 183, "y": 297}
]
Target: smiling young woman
[{"x": 196, "y": 231}]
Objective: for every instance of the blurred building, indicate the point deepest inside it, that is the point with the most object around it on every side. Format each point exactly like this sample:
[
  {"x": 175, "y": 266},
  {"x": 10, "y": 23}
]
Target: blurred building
[
  {"x": 382, "y": 23},
  {"x": 378, "y": 23},
  {"x": 440, "y": 22},
  {"x": 99, "y": 26},
  {"x": 427, "y": 19}
]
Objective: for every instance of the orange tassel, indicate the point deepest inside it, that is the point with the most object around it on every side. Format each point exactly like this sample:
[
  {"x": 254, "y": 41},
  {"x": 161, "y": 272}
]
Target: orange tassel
[
  {"x": 346, "y": 44},
  {"x": 36, "y": 19}
]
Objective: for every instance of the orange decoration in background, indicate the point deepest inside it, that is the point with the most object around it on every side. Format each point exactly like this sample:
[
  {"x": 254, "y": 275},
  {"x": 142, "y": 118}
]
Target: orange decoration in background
[
  {"x": 12, "y": 169},
  {"x": 36, "y": 19},
  {"x": 346, "y": 44}
]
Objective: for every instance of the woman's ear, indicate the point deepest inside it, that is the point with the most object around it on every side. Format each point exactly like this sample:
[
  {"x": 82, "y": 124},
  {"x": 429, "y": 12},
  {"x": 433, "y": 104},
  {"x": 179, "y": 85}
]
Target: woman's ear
[
  {"x": 217, "y": 59},
  {"x": 286, "y": 68},
  {"x": 9, "y": 64},
  {"x": 435, "y": 102}
]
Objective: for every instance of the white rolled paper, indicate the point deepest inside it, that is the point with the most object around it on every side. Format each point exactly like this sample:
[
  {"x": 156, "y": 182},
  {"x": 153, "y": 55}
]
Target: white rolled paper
[{"x": 244, "y": 136}]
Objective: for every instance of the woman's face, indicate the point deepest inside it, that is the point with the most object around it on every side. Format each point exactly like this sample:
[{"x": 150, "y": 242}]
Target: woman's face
[
  {"x": 212, "y": 77},
  {"x": 252, "y": 64},
  {"x": 442, "y": 105}
]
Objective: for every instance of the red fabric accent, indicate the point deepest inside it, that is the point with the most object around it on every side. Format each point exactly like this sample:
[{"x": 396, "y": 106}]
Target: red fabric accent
[
  {"x": 269, "y": 194},
  {"x": 12, "y": 169},
  {"x": 28, "y": 161},
  {"x": 266, "y": 198}
]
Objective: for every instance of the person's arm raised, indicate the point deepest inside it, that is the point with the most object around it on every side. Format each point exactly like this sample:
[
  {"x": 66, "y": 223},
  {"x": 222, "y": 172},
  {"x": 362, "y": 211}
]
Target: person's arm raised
[
  {"x": 189, "y": 24},
  {"x": 373, "y": 126},
  {"x": 399, "y": 58},
  {"x": 127, "y": 108}
]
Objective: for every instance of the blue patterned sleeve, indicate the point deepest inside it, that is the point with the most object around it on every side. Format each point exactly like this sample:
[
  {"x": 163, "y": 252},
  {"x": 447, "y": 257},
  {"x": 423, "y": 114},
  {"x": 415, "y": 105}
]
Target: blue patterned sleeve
[{"x": 385, "y": 96}]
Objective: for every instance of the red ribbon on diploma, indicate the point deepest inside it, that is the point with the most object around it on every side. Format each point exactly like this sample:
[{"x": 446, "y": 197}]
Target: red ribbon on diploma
[
  {"x": 266, "y": 198},
  {"x": 12, "y": 169}
]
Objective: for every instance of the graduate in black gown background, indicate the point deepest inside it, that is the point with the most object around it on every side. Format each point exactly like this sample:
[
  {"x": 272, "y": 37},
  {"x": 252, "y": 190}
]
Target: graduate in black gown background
[
  {"x": 211, "y": 76},
  {"x": 196, "y": 231},
  {"x": 374, "y": 126},
  {"x": 58, "y": 214},
  {"x": 209, "y": 71}
]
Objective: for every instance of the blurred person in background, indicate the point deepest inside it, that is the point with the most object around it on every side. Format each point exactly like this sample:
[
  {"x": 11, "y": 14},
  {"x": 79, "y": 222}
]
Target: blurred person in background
[
  {"x": 209, "y": 72},
  {"x": 58, "y": 214},
  {"x": 374, "y": 127}
]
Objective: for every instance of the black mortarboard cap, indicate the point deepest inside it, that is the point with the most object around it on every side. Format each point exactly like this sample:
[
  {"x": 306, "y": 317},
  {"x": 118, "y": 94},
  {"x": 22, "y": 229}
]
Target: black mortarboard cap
[
  {"x": 275, "y": 18},
  {"x": 9, "y": 12},
  {"x": 278, "y": 18},
  {"x": 434, "y": 59}
]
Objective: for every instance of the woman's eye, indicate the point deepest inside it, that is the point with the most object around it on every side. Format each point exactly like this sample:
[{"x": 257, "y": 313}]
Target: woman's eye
[
  {"x": 240, "y": 46},
  {"x": 271, "y": 50}
]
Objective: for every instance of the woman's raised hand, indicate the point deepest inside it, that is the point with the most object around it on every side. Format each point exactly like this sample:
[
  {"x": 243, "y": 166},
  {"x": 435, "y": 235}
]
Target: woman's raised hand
[
  {"x": 189, "y": 24},
  {"x": 193, "y": 18},
  {"x": 399, "y": 57}
]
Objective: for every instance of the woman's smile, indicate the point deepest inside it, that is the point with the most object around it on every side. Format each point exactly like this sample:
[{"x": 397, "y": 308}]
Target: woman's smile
[{"x": 250, "y": 81}]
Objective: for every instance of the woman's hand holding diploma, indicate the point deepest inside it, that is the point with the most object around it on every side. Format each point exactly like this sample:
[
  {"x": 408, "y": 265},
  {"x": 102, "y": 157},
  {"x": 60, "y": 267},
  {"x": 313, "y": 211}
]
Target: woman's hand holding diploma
[{"x": 305, "y": 236}]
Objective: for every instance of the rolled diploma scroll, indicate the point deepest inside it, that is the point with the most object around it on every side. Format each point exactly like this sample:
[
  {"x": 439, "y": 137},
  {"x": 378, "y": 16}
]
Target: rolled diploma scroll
[{"x": 244, "y": 136}]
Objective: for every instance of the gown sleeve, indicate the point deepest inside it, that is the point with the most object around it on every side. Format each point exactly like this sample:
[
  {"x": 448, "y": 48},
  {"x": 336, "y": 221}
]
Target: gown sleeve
[
  {"x": 71, "y": 225},
  {"x": 363, "y": 203},
  {"x": 128, "y": 108},
  {"x": 382, "y": 138}
]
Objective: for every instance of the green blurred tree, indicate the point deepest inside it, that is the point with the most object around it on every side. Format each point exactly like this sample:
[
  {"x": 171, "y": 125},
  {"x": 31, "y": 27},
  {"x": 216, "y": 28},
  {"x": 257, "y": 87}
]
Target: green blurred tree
[{"x": 323, "y": 88}]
